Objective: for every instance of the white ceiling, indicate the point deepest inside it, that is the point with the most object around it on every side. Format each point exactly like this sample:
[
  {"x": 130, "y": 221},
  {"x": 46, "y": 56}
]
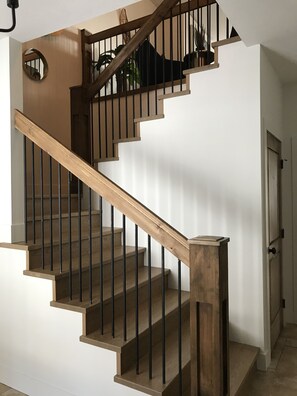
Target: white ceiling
[
  {"x": 272, "y": 23},
  {"x": 36, "y": 18}
]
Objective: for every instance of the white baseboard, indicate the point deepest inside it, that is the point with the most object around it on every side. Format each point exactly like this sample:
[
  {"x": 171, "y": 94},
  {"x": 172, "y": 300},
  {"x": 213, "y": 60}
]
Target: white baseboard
[
  {"x": 28, "y": 385},
  {"x": 12, "y": 233},
  {"x": 264, "y": 360},
  {"x": 18, "y": 232}
]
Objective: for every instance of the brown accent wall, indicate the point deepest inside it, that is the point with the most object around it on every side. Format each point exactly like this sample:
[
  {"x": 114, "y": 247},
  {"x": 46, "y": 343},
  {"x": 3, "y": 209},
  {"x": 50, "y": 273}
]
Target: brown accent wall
[{"x": 47, "y": 102}]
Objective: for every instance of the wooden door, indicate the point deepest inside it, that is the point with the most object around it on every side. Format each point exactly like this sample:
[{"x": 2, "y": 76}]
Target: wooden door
[{"x": 274, "y": 231}]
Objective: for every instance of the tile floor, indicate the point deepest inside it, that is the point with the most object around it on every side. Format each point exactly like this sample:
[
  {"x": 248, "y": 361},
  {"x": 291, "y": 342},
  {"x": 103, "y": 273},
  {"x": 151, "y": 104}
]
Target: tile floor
[
  {"x": 6, "y": 391},
  {"x": 281, "y": 377},
  {"x": 279, "y": 380}
]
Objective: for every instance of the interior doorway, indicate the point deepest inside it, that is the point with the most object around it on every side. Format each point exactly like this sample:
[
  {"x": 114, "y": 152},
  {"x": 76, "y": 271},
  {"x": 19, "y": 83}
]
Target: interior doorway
[{"x": 274, "y": 236}]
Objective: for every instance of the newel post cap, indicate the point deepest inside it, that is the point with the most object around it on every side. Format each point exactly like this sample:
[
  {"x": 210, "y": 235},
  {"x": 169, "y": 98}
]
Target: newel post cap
[{"x": 209, "y": 240}]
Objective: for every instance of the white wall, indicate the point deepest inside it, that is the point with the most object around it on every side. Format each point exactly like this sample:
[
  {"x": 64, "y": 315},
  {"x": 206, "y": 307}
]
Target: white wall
[
  {"x": 200, "y": 169},
  {"x": 11, "y": 148},
  {"x": 41, "y": 354},
  {"x": 290, "y": 201}
]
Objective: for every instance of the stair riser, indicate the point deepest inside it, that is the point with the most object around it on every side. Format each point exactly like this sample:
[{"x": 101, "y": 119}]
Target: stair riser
[
  {"x": 170, "y": 323},
  {"x": 55, "y": 205},
  {"x": 173, "y": 388},
  {"x": 62, "y": 284},
  {"x": 55, "y": 227},
  {"x": 35, "y": 255},
  {"x": 92, "y": 318}
]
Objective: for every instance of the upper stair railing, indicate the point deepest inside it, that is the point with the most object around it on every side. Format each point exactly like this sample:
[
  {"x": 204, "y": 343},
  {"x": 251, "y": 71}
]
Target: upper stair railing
[
  {"x": 58, "y": 249},
  {"x": 126, "y": 69}
]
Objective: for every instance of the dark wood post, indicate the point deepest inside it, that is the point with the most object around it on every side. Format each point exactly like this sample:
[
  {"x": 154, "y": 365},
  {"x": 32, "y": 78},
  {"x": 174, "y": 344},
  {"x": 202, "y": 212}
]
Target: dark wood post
[
  {"x": 81, "y": 139},
  {"x": 209, "y": 316}
]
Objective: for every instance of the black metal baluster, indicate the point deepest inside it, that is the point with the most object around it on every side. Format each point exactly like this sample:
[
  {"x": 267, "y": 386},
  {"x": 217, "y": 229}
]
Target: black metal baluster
[
  {"x": 60, "y": 217},
  {"x": 79, "y": 186},
  {"x": 208, "y": 32},
  {"x": 51, "y": 210},
  {"x": 112, "y": 108},
  {"x": 69, "y": 236},
  {"x": 218, "y": 22},
  {"x": 163, "y": 57},
  {"x": 156, "y": 71},
  {"x": 163, "y": 317},
  {"x": 101, "y": 267},
  {"x": 189, "y": 35},
  {"x": 133, "y": 99},
  {"x": 92, "y": 129},
  {"x": 199, "y": 21},
  {"x": 148, "y": 78},
  {"x": 227, "y": 28},
  {"x": 180, "y": 47},
  {"x": 112, "y": 273},
  {"x": 106, "y": 113},
  {"x": 179, "y": 331},
  {"x": 42, "y": 209},
  {"x": 90, "y": 249},
  {"x": 125, "y": 277},
  {"x": 25, "y": 190},
  {"x": 119, "y": 102},
  {"x": 136, "y": 300},
  {"x": 149, "y": 248},
  {"x": 142, "y": 85},
  {"x": 100, "y": 138},
  {"x": 171, "y": 51},
  {"x": 33, "y": 194}
]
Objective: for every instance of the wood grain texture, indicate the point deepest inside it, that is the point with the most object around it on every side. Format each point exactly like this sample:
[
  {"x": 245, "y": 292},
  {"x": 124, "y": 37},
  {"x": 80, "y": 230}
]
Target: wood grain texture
[
  {"x": 242, "y": 360},
  {"x": 230, "y": 40},
  {"x": 209, "y": 316},
  {"x": 133, "y": 44},
  {"x": 201, "y": 69},
  {"x": 153, "y": 225}
]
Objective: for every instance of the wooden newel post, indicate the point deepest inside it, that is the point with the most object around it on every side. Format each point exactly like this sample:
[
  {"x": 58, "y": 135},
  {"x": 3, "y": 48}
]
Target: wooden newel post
[{"x": 209, "y": 316}]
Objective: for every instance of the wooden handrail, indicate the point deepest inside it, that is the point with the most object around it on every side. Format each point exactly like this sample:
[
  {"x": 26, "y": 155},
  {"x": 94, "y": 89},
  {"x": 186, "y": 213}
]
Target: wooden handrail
[
  {"x": 128, "y": 49},
  {"x": 137, "y": 23},
  {"x": 152, "y": 224}
]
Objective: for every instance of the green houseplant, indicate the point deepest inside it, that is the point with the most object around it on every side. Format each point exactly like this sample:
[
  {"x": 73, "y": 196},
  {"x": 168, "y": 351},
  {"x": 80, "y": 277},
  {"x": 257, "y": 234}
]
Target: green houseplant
[{"x": 127, "y": 75}]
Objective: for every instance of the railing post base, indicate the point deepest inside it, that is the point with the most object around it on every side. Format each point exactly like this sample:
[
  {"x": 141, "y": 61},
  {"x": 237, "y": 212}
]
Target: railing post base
[{"x": 209, "y": 316}]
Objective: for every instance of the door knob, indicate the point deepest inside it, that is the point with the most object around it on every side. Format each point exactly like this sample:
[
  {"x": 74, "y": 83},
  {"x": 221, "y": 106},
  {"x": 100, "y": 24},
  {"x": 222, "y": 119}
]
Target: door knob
[{"x": 272, "y": 250}]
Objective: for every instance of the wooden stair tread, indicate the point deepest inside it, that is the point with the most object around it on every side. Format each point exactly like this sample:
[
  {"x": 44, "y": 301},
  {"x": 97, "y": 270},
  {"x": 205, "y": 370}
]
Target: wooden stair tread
[
  {"x": 155, "y": 386},
  {"x": 200, "y": 69},
  {"x": 117, "y": 343},
  {"x": 55, "y": 216},
  {"x": 242, "y": 360},
  {"x": 76, "y": 305},
  {"x": 56, "y": 274},
  {"x": 230, "y": 40},
  {"x": 149, "y": 118},
  {"x": 174, "y": 94},
  {"x": 37, "y": 245},
  {"x": 54, "y": 196}
]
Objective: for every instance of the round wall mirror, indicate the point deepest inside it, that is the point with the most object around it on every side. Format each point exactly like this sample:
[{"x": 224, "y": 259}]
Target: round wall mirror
[{"x": 35, "y": 64}]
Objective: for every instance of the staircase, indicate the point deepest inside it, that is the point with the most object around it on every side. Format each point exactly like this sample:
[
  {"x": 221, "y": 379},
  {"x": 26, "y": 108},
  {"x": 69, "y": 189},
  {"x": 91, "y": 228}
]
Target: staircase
[
  {"x": 124, "y": 297},
  {"x": 117, "y": 336},
  {"x": 121, "y": 289}
]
